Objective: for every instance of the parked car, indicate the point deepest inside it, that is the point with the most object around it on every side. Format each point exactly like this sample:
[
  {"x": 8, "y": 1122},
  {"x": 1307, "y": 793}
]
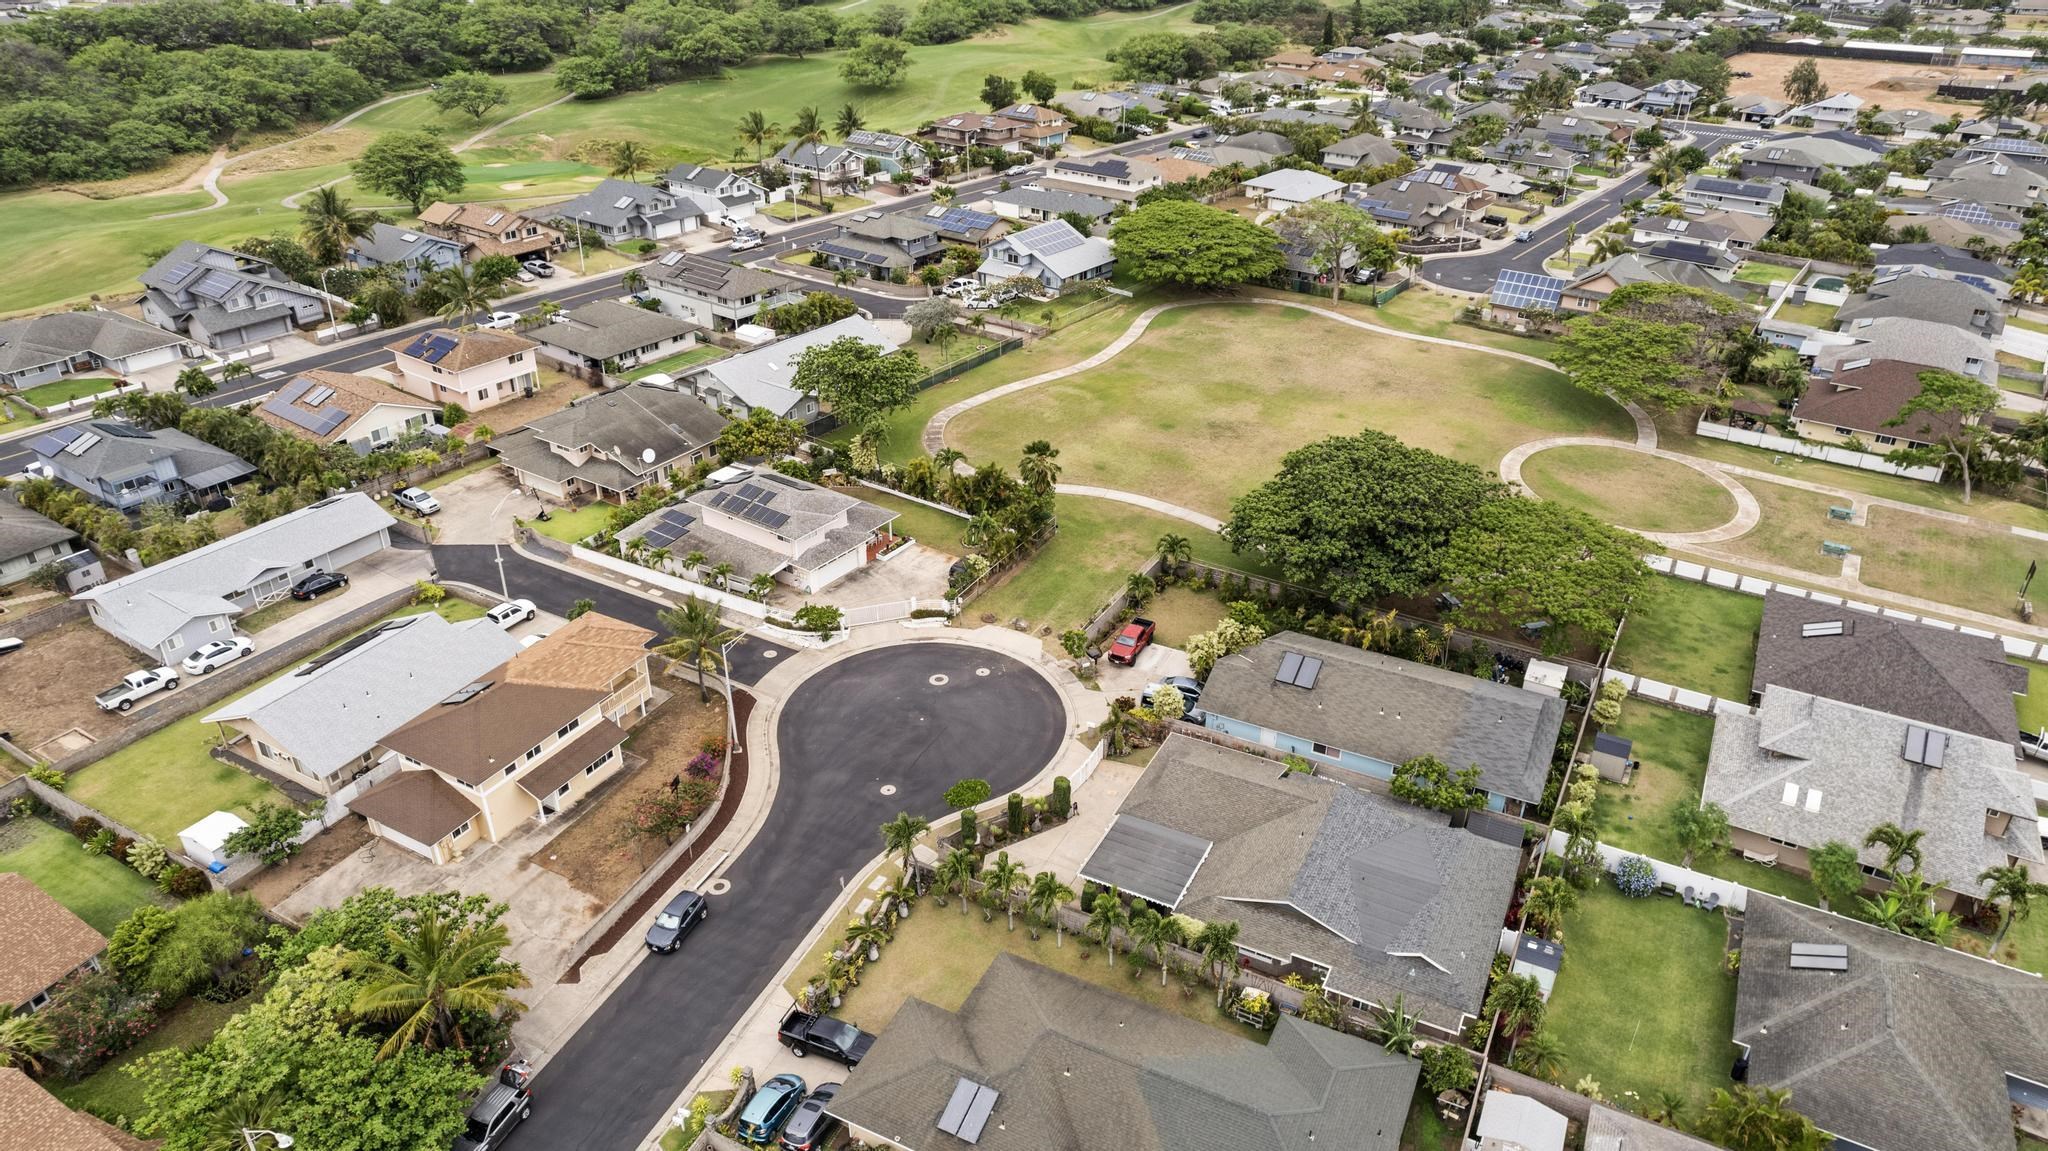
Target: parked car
[
  {"x": 1144, "y": 129},
  {"x": 539, "y": 267},
  {"x": 10, "y": 644},
  {"x": 1199, "y": 134},
  {"x": 981, "y": 303},
  {"x": 810, "y": 1128},
  {"x": 1135, "y": 638},
  {"x": 504, "y": 1105},
  {"x": 560, "y": 318},
  {"x": 770, "y": 1108},
  {"x": 1190, "y": 690},
  {"x": 318, "y": 584},
  {"x": 418, "y": 499},
  {"x": 804, "y": 1033},
  {"x": 219, "y": 653},
  {"x": 525, "y": 277},
  {"x": 511, "y": 612},
  {"x": 960, "y": 286},
  {"x": 136, "y": 685},
  {"x": 671, "y": 923},
  {"x": 502, "y": 320}
]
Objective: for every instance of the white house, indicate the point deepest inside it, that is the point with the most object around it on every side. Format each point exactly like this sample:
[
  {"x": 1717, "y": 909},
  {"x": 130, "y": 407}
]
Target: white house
[
  {"x": 763, "y": 378},
  {"x": 1285, "y": 189},
  {"x": 716, "y": 294},
  {"x": 804, "y": 535},
  {"x": 1113, "y": 176},
  {"x": 1837, "y": 111},
  {"x": 1052, "y": 253},
  {"x": 478, "y": 369},
  {"x": 37, "y": 349}
]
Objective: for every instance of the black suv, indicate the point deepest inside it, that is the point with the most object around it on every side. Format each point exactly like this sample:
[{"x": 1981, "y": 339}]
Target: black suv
[{"x": 318, "y": 584}]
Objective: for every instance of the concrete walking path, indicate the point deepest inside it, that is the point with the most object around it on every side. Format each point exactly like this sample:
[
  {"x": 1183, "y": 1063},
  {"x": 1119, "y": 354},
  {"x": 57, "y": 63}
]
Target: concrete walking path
[
  {"x": 213, "y": 174},
  {"x": 1192, "y": 516}
]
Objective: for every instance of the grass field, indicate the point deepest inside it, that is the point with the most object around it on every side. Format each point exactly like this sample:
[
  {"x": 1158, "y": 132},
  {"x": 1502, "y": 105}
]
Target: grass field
[
  {"x": 1203, "y": 406},
  {"x": 932, "y": 528},
  {"x": 61, "y": 391},
  {"x": 573, "y": 526},
  {"x": 97, "y": 888},
  {"x": 1629, "y": 488},
  {"x": 1757, "y": 272},
  {"x": 1693, "y": 635},
  {"x": 1790, "y": 533},
  {"x": 1813, "y": 315},
  {"x": 113, "y": 1093},
  {"x": 2033, "y": 706},
  {"x": 1181, "y": 612},
  {"x": 1951, "y": 563}
]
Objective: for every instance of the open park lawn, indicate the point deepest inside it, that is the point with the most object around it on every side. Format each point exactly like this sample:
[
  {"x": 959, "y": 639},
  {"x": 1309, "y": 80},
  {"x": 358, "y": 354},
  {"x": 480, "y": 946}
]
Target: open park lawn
[
  {"x": 1203, "y": 406},
  {"x": 1964, "y": 565},
  {"x": 1629, "y": 488},
  {"x": 113, "y": 1093},
  {"x": 97, "y": 888},
  {"x": 1793, "y": 524},
  {"x": 1644, "y": 1002},
  {"x": 928, "y": 526},
  {"x": 1692, "y": 635}
]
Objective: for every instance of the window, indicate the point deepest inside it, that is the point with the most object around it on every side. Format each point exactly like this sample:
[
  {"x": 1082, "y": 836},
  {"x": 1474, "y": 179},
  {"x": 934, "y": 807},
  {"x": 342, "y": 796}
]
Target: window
[
  {"x": 599, "y": 762},
  {"x": 1884, "y": 439},
  {"x": 561, "y": 791},
  {"x": 563, "y": 731},
  {"x": 216, "y": 625},
  {"x": 39, "y": 1000},
  {"x": 512, "y": 767},
  {"x": 518, "y": 357},
  {"x": 533, "y": 752},
  {"x": 174, "y": 643},
  {"x": 459, "y": 832},
  {"x": 1840, "y": 431},
  {"x": 1323, "y": 750}
]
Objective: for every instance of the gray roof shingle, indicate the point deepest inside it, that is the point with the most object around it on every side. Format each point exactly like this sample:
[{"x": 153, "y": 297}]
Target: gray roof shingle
[
  {"x": 33, "y": 341},
  {"x": 123, "y": 449},
  {"x": 23, "y": 532},
  {"x": 602, "y": 329}
]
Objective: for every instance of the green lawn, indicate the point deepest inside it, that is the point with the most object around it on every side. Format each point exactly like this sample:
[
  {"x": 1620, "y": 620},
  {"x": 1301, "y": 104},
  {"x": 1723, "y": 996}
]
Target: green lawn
[
  {"x": 807, "y": 207},
  {"x": 1950, "y": 563},
  {"x": 1181, "y": 612},
  {"x": 573, "y": 527},
  {"x": 1630, "y": 488},
  {"x": 1201, "y": 408},
  {"x": 167, "y": 781},
  {"x": 1692, "y": 635},
  {"x": 61, "y": 391},
  {"x": 1428, "y": 314},
  {"x": 2025, "y": 325},
  {"x": 1757, "y": 272},
  {"x": 680, "y": 362},
  {"x": 15, "y": 416},
  {"x": 96, "y": 888},
  {"x": 1816, "y": 315},
  {"x": 934, "y": 356},
  {"x": 1793, "y": 525},
  {"x": 112, "y": 1093},
  {"x": 2033, "y": 706},
  {"x": 934, "y": 529},
  {"x": 1644, "y": 1002}
]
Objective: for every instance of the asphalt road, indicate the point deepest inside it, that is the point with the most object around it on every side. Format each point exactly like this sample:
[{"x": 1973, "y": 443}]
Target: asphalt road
[
  {"x": 1476, "y": 273},
  {"x": 871, "y": 721},
  {"x": 550, "y": 588}
]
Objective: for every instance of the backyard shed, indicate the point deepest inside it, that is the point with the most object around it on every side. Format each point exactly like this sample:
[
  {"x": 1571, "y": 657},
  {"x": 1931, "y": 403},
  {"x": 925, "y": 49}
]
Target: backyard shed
[
  {"x": 206, "y": 841},
  {"x": 1544, "y": 677},
  {"x": 1539, "y": 959},
  {"x": 1612, "y": 755}
]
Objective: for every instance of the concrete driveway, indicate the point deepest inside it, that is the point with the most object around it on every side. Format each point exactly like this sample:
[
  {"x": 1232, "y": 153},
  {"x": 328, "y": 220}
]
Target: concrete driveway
[
  {"x": 1154, "y": 663},
  {"x": 377, "y": 575},
  {"x": 478, "y": 508},
  {"x": 914, "y": 571}
]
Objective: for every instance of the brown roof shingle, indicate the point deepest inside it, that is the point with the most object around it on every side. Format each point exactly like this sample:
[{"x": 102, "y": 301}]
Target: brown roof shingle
[
  {"x": 41, "y": 941},
  {"x": 1864, "y": 399},
  {"x": 477, "y": 738},
  {"x": 419, "y": 805},
  {"x": 478, "y": 346},
  {"x": 352, "y": 393},
  {"x": 562, "y": 766},
  {"x": 587, "y": 652},
  {"x": 32, "y": 1119}
]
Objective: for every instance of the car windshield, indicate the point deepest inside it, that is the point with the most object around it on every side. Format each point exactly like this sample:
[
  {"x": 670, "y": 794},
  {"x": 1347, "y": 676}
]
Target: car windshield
[
  {"x": 1123, "y": 641},
  {"x": 668, "y": 920},
  {"x": 836, "y": 1033},
  {"x": 477, "y": 1130}
]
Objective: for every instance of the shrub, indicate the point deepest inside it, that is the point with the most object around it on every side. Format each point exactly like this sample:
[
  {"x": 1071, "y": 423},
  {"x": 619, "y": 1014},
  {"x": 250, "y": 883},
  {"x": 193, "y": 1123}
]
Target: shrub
[
  {"x": 969, "y": 833},
  {"x": 1447, "y": 1068},
  {"x": 428, "y": 592},
  {"x": 1016, "y": 814},
  {"x": 1607, "y": 712},
  {"x": 181, "y": 881},
  {"x": 818, "y": 617},
  {"x": 85, "y": 827},
  {"x": 49, "y": 777},
  {"x": 930, "y": 613},
  {"x": 1062, "y": 796},
  {"x": 133, "y": 944},
  {"x": 147, "y": 857},
  {"x": 702, "y": 765},
  {"x": 102, "y": 842},
  {"x": 968, "y": 793},
  {"x": 95, "y": 1017},
  {"x": 1634, "y": 877}
]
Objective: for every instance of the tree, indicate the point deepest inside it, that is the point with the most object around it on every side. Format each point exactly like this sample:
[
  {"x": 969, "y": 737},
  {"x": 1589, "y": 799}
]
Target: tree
[
  {"x": 1003, "y": 877},
  {"x": 968, "y": 793},
  {"x": 1332, "y": 230},
  {"x": 1803, "y": 84},
  {"x": 470, "y": 92},
  {"x": 1516, "y": 560},
  {"x": 23, "y": 1039},
  {"x": 414, "y": 166},
  {"x": 328, "y": 223},
  {"x": 465, "y": 292},
  {"x": 443, "y": 969},
  {"x": 1193, "y": 246},
  {"x": 849, "y": 121},
  {"x": 1039, "y": 86},
  {"x": 760, "y": 131},
  {"x": 1658, "y": 345},
  {"x": 1218, "y": 944},
  {"x": 1518, "y": 1000},
  {"x": 194, "y": 383},
  {"x": 1751, "y": 1118},
  {"x": 762, "y": 435},
  {"x": 1701, "y": 831},
  {"x": 900, "y": 836},
  {"x": 1359, "y": 517},
  {"x": 2014, "y": 889},
  {"x": 191, "y": 949},
  {"x": 1427, "y": 781},
  {"x": 1837, "y": 874},
  {"x": 876, "y": 62},
  {"x": 1536, "y": 1053},
  {"x": 955, "y": 872},
  {"x": 1898, "y": 843},
  {"x": 1039, "y": 468},
  {"x": 697, "y": 639},
  {"x": 1049, "y": 893},
  {"x": 1173, "y": 550},
  {"x": 1550, "y": 898},
  {"x": 1106, "y": 918},
  {"x": 1120, "y": 726},
  {"x": 1397, "y": 1027},
  {"x": 928, "y": 317},
  {"x": 1154, "y": 933},
  {"x": 581, "y": 607},
  {"x": 628, "y": 158},
  {"x": 1956, "y": 431},
  {"x": 859, "y": 382},
  {"x": 272, "y": 833},
  {"x": 998, "y": 92}
]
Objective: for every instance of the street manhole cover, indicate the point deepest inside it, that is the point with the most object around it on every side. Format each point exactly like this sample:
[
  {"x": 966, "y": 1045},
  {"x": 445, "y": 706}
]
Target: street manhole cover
[
  {"x": 940, "y": 680},
  {"x": 771, "y": 653},
  {"x": 718, "y": 887},
  {"x": 888, "y": 789},
  {"x": 981, "y": 671}
]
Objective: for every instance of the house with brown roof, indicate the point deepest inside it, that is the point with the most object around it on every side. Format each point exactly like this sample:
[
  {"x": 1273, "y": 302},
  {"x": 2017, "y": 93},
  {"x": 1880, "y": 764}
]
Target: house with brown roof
[
  {"x": 476, "y": 367},
  {"x": 41, "y": 942},
  {"x": 1292, "y": 59},
  {"x": 491, "y": 230},
  {"x": 524, "y": 741},
  {"x": 345, "y": 408},
  {"x": 1016, "y": 127},
  {"x": 31, "y": 1117},
  {"x": 1860, "y": 401}
]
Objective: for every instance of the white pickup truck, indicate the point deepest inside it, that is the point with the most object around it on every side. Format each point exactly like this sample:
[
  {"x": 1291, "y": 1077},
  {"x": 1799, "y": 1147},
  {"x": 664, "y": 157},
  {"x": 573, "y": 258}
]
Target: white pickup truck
[{"x": 137, "y": 685}]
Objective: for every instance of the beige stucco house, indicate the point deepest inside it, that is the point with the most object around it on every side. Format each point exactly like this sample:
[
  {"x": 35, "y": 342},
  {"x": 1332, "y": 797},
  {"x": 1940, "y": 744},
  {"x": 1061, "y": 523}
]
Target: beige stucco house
[{"x": 477, "y": 368}]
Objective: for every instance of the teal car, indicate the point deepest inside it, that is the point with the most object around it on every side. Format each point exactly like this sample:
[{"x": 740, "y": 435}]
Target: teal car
[{"x": 770, "y": 1108}]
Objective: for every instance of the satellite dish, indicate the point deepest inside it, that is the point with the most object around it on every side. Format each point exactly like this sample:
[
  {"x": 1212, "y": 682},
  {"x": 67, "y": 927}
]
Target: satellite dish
[{"x": 647, "y": 455}]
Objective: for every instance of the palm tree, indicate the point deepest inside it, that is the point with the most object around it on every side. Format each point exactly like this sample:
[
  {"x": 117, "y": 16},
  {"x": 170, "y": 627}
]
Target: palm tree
[
  {"x": 1617, "y": 155},
  {"x": 1174, "y": 550},
  {"x": 761, "y": 585},
  {"x": 1106, "y": 917},
  {"x": 1039, "y": 469},
  {"x": 22, "y": 1039},
  {"x": 628, "y": 157},
  {"x": 955, "y": 872},
  {"x": 694, "y": 561},
  {"x": 758, "y": 130},
  {"x": 697, "y": 639},
  {"x": 327, "y": 223},
  {"x": 1155, "y": 933},
  {"x": 1550, "y": 898},
  {"x": 1121, "y": 725},
  {"x": 1757, "y": 1118},
  {"x": 721, "y": 573},
  {"x": 2012, "y": 887},
  {"x": 809, "y": 129},
  {"x": 1571, "y": 240},
  {"x": 466, "y": 293},
  {"x": 1003, "y": 877},
  {"x": 546, "y": 310},
  {"x": 1397, "y": 1027},
  {"x": 1664, "y": 166},
  {"x": 866, "y": 935},
  {"x": 900, "y": 835},
  {"x": 1047, "y": 894},
  {"x": 1412, "y": 264},
  {"x": 1886, "y": 912},
  {"x": 442, "y": 970},
  {"x": 1664, "y": 1106},
  {"x": 848, "y": 121},
  {"x": 1218, "y": 944},
  {"x": 981, "y": 531},
  {"x": 944, "y": 459},
  {"x": 633, "y": 280},
  {"x": 1608, "y": 245},
  {"x": 1539, "y": 1055},
  {"x": 1898, "y": 844},
  {"x": 1518, "y": 1000}
]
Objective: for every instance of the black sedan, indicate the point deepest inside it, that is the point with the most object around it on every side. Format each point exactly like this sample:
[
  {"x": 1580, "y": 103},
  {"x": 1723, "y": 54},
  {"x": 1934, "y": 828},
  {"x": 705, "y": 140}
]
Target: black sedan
[
  {"x": 810, "y": 1127},
  {"x": 318, "y": 584},
  {"x": 684, "y": 912}
]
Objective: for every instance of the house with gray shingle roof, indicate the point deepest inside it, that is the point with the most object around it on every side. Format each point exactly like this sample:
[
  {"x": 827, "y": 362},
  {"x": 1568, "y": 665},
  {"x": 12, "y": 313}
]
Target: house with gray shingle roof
[
  {"x": 737, "y": 195},
  {"x": 28, "y": 541},
  {"x": 416, "y": 254},
  {"x": 717, "y": 294},
  {"x": 829, "y": 166},
  {"x": 1386, "y": 900},
  {"x": 1054, "y": 253},
  {"x": 1362, "y": 151},
  {"x": 611, "y": 445},
  {"x": 1911, "y": 340},
  {"x": 126, "y": 466},
  {"x": 1801, "y": 770},
  {"x": 1062, "y": 1064},
  {"x": 620, "y": 210},
  {"x": 226, "y": 299},
  {"x": 1927, "y": 298},
  {"x": 803, "y": 535},
  {"x": 603, "y": 332},
  {"x": 897, "y": 155},
  {"x": 1035, "y": 203},
  {"x": 37, "y": 349},
  {"x": 880, "y": 243}
]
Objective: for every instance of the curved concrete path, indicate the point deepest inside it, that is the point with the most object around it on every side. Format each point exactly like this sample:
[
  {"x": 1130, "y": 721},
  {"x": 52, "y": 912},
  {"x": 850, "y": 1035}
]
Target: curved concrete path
[
  {"x": 292, "y": 201},
  {"x": 213, "y": 174},
  {"x": 1178, "y": 512},
  {"x": 1747, "y": 512}
]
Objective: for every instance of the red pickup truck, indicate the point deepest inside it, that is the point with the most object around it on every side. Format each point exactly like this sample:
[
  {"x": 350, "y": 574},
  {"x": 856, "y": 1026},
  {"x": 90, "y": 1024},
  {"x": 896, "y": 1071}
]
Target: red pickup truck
[{"x": 1136, "y": 637}]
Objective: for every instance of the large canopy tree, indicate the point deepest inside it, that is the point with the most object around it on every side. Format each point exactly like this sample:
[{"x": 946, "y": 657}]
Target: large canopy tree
[
  {"x": 1658, "y": 345},
  {"x": 1193, "y": 246},
  {"x": 1513, "y": 561}
]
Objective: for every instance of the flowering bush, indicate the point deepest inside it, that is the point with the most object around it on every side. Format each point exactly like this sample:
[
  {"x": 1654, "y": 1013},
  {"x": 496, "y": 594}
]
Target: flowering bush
[
  {"x": 95, "y": 1017},
  {"x": 1634, "y": 877},
  {"x": 703, "y": 765}
]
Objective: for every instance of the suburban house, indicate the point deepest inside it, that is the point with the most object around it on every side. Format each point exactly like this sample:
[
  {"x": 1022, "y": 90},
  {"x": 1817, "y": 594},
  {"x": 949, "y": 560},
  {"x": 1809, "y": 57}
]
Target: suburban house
[
  {"x": 321, "y": 723},
  {"x": 1361, "y": 151},
  {"x": 717, "y": 295},
  {"x": 1053, "y": 253},
  {"x": 1860, "y": 403},
  {"x": 1836, "y": 111},
  {"x": 1014, "y": 128},
  {"x": 1611, "y": 94},
  {"x": 166, "y": 610},
  {"x": 1669, "y": 97},
  {"x": 1932, "y": 675},
  {"x": 525, "y": 740},
  {"x": 737, "y": 196},
  {"x": 37, "y": 349},
  {"x": 32, "y": 1117},
  {"x": 1307, "y": 267},
  {"x": 478, "y": 368},
  {"x": 1285, "y": 189},
  {"x": 1913, "y": 340},
  {"x": 761, "y": 378},
  {"x": 29, "y": 541},
  {"x": 591, "y": 336},
  {"x": 1942, "y": 301},
  {"x": 1538, "y": 155},
  {"x": 490, "y": 230},
  {"x": 1435, "y": 204},
  {"x": 225, "y": 299},
  {"x": 1591, "y": 287},
  {"x": 827, "y": 166},
  {"x": 1721, "y": 231},
  {"x": 610, "y": 445},
  {"x": 896, "y": 155},
  {"x": 1911, "y": 124},
  {"x": 125, "y": 466},
  {"x": 1754, "y": 109},
  {"x": 41, "y": 942},
  {"x": 805, "y": 536},
  {"x": 1943, "y": 262},
  {"x": 880, "y": 244},
  {"x": 343, "y": 408},
  {"x": 1370, "y": 897},
  {"x": 416, "y": 254},
  {"x": 1751, "y": 197},
  {"x": 957, "y": 225},
  {"x": 1112, "y": 176},
  {"x": 1037, "y": 204},
  {"x": 1038, "y": 1060},
  {"x": 1886, "y": 1042},
  {"x": 1804, "y": 158},
  {"x": 1341, "y": 706},
  {"x": 620, "y": 210},
  {"x": 1421, "y": 130},
  {"x": 1801, "y": 770}
]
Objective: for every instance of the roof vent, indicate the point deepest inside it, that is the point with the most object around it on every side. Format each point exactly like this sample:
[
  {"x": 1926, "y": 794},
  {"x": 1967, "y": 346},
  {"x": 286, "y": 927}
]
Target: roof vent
[
  {"x": 1925, "y": 746},
  {"x": 466, "y": 693},
  {"x": 1823, "y": 628},
  {"x": 968, "y": 1110}
]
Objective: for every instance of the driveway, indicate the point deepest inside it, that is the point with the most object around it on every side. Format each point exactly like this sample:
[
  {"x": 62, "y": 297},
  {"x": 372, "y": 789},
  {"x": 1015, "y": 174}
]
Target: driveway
[
  {"x": 479, "y": 508},
  {"x": 913, "y": 571},
  {"x": 549, "y": 587},
  {"x": 378, "y": 575}
]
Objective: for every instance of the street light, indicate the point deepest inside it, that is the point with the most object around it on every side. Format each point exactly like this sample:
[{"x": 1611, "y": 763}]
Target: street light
[
  {"x": 496, "y": 555},
  {"x": 582, "y": 261},
  {"x": 251, "y": 1134},
  {"x": 332, "y": 323}
]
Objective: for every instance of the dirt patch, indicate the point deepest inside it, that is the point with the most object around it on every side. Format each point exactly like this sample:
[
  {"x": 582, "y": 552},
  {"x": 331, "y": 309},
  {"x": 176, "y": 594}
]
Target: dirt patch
[
  {"x": 183, "y": 173},
  {"x": 51, "y": 682},
  {"x": 551, "y": 394},
  {"x": 595, "y": 854},
  {"x": 1885, "y": 82},
  {"x": 273, "y": 885},
  {"x": 305, "y": 152}
]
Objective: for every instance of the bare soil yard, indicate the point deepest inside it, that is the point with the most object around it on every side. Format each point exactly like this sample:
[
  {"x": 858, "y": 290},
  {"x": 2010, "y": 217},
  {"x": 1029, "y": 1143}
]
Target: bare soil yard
[
  {"x": 51, "y": 682},
  {"x": 273, "y": 884},
  {"x": 1886, "y": 82}
]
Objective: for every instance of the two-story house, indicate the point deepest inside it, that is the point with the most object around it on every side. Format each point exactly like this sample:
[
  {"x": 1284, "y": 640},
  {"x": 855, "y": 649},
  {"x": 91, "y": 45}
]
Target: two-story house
[
  {"x": 29, "y": 541},
  {"x": 490, "y": 230},
  {"x": 605, "y": 335},
  {"x": 125, "y": 466},
  {"x": 716, "y": 294},
  {"x": 1670, "y": 98},
  {"x": 829, "y": 168},
  {"x": 611, "y": 445},
  {"x": 344, "y": 408},
  {"x": 226, "y": 299},
  {"x": 805, "y": 536},
  {"x": 1015, "y": 128},
  {"x": 619, "y": 211},
  {"x": 416, "y": 254},
  {"x": 880, "y": 244},
  {"x": 737, "y": 197},
  {"x": 524, "y": 741},
  {"x": 1053, "y": 253},
  {"x": 477, "y": 368},
  {"x": 895, "y": 155}
]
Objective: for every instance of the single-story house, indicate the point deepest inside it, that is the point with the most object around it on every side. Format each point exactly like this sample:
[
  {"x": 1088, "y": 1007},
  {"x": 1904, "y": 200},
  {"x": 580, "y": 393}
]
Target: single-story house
[
  {"x": 1946, "y": 263},
  {"x": 1053, "y": 253},
  {"x": 1803, "y": 158},
  {"x": 344, "y": 408},
  {"x": 478, "y": 368},
  {"x": 1587, "y": 291},
  {"x": 1340, "y": 706},
  {"x": 28, "y": 541},
  {"x": 1374, "y": 899},
  {"x": 166, "y": 610},
  {"x": 1861, "y": 402},
  {"x": 416, "y": 253},
  {"x": 1751, "y": 109},
  {"x": 1285, "y": 189},
  {"x": 126, "y": 466},
  {"x": 1721, "y": 231},
  {"x": 32, "y": 1117},
  {"x": 605, "y": 332},
  {"x": 830, "y": 166},
  {"x": 41, "y": 942},
  {"x": 761, "y": 378},
  {"x": 716, "y": 294},
  {"x": 1038, "y": 1060},
  {"x": 611, "y": 445},
  {"x": 37, "y": 349},
  {"x": 1753, "y": 197},
  {"x": 880, "y": 244},
  {"x": 1362, "y": 151},
  {"x": 620, "y": 210},
  {"x": 491, "y": 230},
  {"x": 1437, "y": 203},
  {"x": 1927, "y": 298},
  {"x": 321, "y": 723},
  {"x": 227, "y": 299},
  {"x": 526, "y": 740},
  {"x": 958, "y": 225},
  {"x": 896, "y": 155},
  {"x": 1034, "y": 203},
  {"x": 1116, "y": 177},
  {"x": 1611, "y": 94},
  {"x": 737, "y": 197},
  {"x": 806, "y": 536}
]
